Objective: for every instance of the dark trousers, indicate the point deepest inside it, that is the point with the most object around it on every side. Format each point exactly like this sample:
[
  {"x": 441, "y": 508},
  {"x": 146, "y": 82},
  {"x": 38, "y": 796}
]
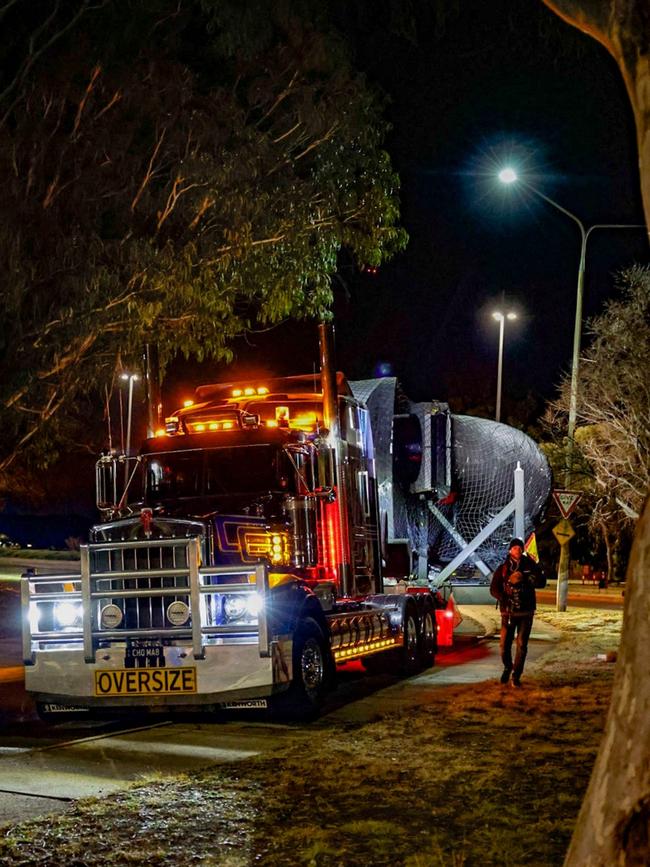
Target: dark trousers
[{"x": 521, "y": 627}]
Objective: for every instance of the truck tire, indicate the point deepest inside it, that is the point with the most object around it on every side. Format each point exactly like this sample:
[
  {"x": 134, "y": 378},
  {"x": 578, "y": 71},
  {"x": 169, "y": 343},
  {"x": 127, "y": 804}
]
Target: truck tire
[
  {"x": 428, "y": 636},
  {"x": 409, "y": 653},
  {"x": 312, "y": 673}
]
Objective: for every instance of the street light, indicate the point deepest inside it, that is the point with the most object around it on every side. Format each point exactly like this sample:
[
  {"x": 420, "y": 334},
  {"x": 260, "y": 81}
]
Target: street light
[
  {"x": 501, "y": 319},
  {"x": 508, "y": 175}
]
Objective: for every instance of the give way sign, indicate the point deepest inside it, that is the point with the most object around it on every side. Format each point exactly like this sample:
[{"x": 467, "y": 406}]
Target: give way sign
[{"x": 566, "y": 501}]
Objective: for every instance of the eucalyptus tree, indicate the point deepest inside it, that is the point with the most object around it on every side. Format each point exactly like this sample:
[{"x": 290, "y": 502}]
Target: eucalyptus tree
[
  {"x": 623, "y": 27},
  {"x": 613, "y": 415},
  {"x": 614, "y": 822},
  {"x": 177, "y": 172}
]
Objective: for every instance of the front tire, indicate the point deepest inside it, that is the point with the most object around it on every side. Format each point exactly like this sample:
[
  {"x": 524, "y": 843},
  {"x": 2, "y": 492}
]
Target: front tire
[{"x": 312, "y": 673}]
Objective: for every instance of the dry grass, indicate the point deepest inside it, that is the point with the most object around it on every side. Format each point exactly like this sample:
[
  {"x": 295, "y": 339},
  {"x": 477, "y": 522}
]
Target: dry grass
[{"x": 477, "y": 775}]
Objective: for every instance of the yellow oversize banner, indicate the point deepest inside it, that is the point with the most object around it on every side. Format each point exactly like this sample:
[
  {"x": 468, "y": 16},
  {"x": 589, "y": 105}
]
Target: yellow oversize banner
[{"x": 145, "y": 681}]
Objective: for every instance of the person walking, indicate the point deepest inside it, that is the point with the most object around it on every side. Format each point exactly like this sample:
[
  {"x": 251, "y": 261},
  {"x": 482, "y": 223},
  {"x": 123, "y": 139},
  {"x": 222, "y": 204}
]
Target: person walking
[{"x": 513, "y": 586}]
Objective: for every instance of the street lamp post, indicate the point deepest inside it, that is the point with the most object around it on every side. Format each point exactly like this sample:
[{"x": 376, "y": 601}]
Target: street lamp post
[
  {"x": 509, "y": 176},
  {"x": 501, "y": 319}
]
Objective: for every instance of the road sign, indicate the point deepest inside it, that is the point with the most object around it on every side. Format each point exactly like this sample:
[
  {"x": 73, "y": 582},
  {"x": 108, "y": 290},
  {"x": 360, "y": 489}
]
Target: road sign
[
  {"x": 563, "y": 531},
  {"x": 566, "y": 501}
]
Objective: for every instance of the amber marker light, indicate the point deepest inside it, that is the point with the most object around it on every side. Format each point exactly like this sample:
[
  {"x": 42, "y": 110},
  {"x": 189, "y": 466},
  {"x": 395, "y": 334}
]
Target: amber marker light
[{"x": 188, "y": 403}]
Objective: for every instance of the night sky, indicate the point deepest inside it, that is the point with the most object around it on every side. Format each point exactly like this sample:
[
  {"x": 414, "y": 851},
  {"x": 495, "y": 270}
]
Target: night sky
[{"x": 494, "y": 79}]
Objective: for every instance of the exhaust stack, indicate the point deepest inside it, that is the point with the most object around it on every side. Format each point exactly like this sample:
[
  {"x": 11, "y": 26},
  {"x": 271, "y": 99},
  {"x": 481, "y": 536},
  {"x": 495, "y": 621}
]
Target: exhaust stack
[
  {"x": 151, "y": 367},
  {"x": 331, "y": 420},
  {"x": 328, "y": 377}
]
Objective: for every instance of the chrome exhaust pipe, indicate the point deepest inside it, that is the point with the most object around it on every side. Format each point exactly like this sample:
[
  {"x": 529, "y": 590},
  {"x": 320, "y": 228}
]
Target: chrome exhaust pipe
[
  {"x": 328, "y": 377},
  {"x": 153, "y": 399}
]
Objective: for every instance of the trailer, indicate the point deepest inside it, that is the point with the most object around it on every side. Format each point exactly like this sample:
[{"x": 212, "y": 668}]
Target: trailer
[{"x": 245, "y": 555}]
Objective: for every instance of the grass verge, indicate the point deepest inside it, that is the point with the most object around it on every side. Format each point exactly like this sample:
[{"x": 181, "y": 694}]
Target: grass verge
[{"x": 478, "y": 774}]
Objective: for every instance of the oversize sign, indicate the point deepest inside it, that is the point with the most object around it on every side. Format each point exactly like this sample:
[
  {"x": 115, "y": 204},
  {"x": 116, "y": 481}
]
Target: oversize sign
[{"x": 145, "y": 681}]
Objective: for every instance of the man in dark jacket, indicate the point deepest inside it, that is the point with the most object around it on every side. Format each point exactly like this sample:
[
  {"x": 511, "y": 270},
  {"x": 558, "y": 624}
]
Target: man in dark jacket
[{"x": 513, "y": 585}]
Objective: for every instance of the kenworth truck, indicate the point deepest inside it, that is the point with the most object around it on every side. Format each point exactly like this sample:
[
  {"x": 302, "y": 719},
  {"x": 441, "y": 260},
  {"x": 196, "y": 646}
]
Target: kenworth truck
[{"x": 240, "y": 566}]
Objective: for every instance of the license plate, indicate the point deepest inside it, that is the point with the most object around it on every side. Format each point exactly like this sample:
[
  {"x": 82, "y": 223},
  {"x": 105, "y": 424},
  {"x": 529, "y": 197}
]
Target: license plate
[
  {"x": 144, "y": 653},
  {"x": 145, "y": 681}
]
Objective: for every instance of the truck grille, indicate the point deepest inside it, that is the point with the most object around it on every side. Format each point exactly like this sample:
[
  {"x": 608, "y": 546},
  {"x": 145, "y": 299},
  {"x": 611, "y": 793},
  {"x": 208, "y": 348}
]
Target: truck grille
[
  {"x": 146, "y": 611},
  {"x": 142, "y": 578}
]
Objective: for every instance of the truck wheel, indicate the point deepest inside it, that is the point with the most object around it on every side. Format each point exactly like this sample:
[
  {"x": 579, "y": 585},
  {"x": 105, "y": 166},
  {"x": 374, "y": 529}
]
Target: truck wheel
[
  {"x": 409, "y": 654},
  {"x": 428, "y": 637},
  {"x": 312, "y": 671}
]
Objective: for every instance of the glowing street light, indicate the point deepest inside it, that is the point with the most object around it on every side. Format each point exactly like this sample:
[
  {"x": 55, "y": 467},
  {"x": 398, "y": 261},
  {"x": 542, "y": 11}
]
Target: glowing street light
[
  {"x": 501, "y": 319},
  {"x": 508, "y": 176}
]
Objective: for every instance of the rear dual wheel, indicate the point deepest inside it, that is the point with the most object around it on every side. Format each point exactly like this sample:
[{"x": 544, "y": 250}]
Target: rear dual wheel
[
  {"x": 409, "y": 654},
  {"x": 420, "y": 638},
  {"x": 428, "y": 637}
]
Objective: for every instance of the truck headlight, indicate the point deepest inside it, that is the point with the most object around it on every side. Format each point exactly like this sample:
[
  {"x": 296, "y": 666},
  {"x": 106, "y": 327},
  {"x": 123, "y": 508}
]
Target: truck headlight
[
  {"x": 241, "y": 607},
  {"x": 34, "y": 617},
  {"x": 67, "y": 614}
]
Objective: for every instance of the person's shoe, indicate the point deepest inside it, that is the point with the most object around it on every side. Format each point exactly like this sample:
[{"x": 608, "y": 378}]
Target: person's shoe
[
  {"x": 516, "y": 681},
  {"x": 505, "y": 677}
]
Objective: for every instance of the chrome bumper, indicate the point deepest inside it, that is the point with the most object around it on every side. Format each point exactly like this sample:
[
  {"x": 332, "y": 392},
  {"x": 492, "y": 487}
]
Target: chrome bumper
[{"x": 225, "y": 673}]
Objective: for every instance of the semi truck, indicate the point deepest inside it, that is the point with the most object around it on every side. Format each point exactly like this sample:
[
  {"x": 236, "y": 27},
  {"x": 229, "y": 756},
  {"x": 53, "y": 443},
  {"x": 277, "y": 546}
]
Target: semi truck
[{"x": 245, "y": 555}]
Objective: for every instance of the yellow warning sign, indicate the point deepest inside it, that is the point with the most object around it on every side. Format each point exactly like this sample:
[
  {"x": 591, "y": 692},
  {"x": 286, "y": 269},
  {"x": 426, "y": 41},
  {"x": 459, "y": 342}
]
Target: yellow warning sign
[
  {"x": 145, "y": 681},
  {"x": 531, "y": 547},
  {"x": 563, "y": 531}
]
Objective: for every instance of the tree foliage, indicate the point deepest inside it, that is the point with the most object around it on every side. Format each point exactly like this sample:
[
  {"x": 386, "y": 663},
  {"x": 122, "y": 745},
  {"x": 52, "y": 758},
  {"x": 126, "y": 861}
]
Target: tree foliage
[
  {"x": 177, "y": 172},
  {"x": 613, "y": 412}
]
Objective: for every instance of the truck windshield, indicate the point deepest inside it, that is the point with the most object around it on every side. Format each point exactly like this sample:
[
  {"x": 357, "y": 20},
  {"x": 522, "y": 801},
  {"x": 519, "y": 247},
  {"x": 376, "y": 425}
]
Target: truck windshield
[{"x": 241, "y": 470}]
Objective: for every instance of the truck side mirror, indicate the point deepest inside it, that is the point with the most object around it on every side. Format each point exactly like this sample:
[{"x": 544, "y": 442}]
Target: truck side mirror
[{"x": 106, "y": 483}]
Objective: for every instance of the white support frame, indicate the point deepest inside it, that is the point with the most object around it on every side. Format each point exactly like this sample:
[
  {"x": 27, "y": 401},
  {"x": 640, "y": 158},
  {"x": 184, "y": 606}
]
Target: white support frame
[
  {"x": 515, "y": 505},
  {"x": 455, "y": 535}
]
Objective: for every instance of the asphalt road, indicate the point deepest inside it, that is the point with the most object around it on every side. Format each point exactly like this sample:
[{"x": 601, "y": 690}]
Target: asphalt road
[{"x": 45, "y": 767}]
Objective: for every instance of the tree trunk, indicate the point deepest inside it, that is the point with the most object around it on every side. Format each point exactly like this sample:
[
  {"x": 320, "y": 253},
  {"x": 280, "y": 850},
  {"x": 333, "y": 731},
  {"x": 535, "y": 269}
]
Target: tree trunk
[
  {"x": 623, "y": 27},
  {"x": 610, "y": 546},
  {"x": 613, "y": 828}
]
